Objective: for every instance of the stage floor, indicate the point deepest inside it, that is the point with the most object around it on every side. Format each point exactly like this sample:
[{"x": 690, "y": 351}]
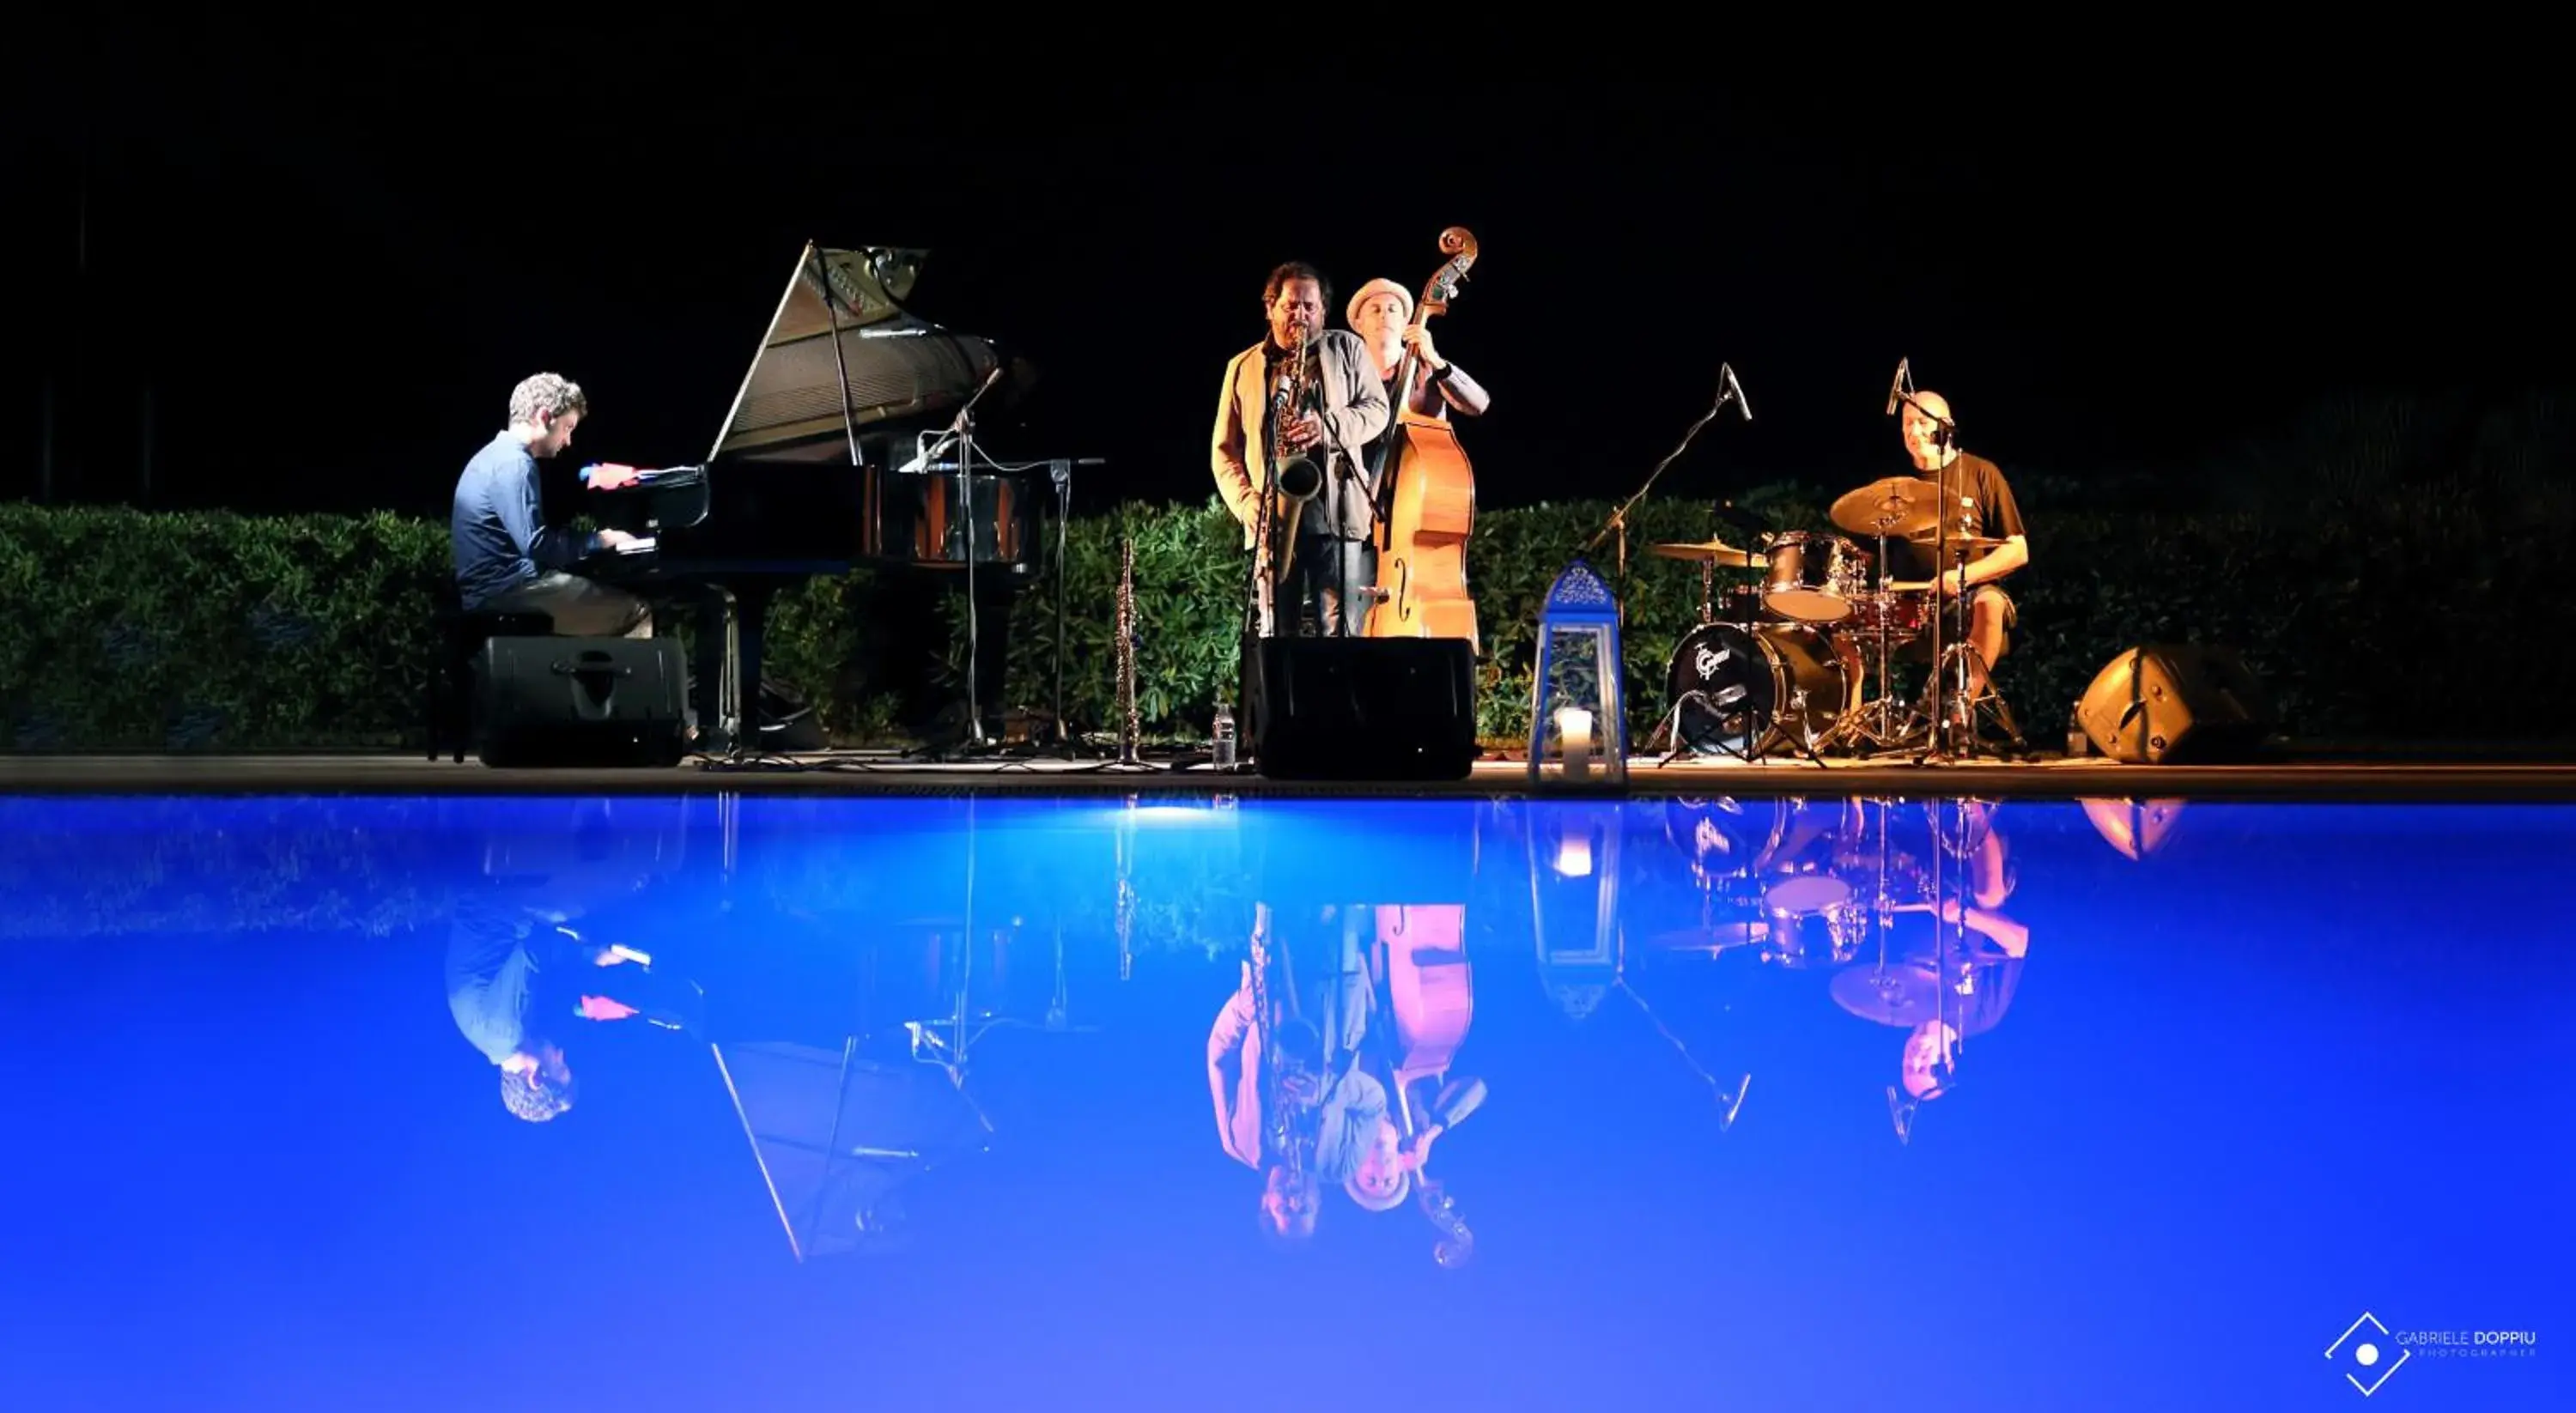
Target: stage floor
[{"x": 2322, "y": 775}]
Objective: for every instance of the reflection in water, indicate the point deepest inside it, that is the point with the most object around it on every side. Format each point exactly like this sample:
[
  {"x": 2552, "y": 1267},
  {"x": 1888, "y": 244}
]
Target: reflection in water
[
  {"x": 1341, "y": 1056},
  {"x": 862, "y": 1082}
]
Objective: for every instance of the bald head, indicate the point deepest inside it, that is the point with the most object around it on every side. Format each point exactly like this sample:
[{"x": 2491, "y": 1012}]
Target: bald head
[{"x": 1922, "y": 431}]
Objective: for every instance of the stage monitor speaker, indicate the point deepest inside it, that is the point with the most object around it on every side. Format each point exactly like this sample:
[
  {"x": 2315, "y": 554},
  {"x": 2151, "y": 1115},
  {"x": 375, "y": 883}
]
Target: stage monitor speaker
[
  {"x": 1364, "y": 708},
  {"x": 580, "y": 701},
  {"x": 2174, "y": 704}
]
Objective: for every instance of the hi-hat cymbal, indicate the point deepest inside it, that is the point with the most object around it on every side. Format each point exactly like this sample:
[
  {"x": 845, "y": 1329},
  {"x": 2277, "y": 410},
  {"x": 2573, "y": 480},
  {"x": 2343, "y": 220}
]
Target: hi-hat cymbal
[
  {"x": 1718, "y": 550},
  {"x": 1902, "y": 996},
  {"x": 1898, "y": 507}
]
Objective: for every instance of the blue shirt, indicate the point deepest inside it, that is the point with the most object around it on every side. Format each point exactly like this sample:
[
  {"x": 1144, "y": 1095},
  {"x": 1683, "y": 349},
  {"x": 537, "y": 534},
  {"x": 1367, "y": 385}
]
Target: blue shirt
[{"x": 498, "y": 529}]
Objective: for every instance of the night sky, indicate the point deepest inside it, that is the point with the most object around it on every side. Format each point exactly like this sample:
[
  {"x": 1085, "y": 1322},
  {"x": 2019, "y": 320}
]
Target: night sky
[{"x": 329, "y": 257}]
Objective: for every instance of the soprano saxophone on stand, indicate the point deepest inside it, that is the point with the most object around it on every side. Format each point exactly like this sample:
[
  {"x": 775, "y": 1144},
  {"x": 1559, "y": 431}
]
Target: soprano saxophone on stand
[{"x": 1126, "y": 616}]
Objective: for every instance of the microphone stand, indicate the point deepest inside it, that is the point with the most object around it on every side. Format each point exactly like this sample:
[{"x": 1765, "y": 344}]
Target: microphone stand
[
  {"x": 962, "y": 432},
  {"x": 1944, "y": 437},
  {"x": 1728, "y": 391}
]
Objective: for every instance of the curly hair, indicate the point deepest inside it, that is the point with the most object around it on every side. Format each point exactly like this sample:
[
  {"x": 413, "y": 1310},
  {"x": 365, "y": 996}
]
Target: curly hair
[
  {"x": 532, "y": 1098},
  {"x": 550, "y": 394},
  {"x": 1296, "y": 270}
]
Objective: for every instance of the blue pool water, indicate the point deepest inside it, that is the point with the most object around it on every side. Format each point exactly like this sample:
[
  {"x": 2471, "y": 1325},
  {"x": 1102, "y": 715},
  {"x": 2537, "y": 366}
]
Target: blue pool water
[{"x": 915, "y": 1108}]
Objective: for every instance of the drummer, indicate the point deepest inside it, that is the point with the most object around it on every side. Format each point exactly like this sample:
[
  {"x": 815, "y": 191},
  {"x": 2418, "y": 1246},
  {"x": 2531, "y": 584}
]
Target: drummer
[{"x": 1986, "y": 531}]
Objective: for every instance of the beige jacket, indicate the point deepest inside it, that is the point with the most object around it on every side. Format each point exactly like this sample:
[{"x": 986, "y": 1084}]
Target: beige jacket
[{"x": 1354, "y": 413}]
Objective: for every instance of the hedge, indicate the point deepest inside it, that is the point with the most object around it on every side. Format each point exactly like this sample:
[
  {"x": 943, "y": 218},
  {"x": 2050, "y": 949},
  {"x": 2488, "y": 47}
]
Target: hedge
[{"x": 2376, "y": 600}]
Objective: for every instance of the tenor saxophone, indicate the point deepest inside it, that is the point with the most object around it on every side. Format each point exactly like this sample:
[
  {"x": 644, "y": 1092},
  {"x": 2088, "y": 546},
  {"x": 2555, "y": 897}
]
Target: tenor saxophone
[{"x": 1297, "y": 477}]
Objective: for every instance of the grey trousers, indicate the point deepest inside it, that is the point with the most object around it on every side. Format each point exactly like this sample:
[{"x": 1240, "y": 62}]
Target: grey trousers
[{"x": 580, "y": 607}]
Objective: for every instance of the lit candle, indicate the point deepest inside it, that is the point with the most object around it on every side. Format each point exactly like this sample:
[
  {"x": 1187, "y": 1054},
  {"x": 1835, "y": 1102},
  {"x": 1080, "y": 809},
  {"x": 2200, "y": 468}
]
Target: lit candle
[{"x": 1574, "y": 734}]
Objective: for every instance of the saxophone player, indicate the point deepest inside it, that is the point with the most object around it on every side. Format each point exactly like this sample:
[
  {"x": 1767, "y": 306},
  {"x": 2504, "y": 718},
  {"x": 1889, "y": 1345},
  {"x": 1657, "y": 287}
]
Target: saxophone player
[{"x": 1290, "y": 431}]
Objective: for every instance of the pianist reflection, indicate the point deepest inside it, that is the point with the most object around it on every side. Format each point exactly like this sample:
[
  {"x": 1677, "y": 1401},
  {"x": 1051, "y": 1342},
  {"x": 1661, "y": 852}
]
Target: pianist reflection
[
  {"x": 508, "y": 559},
  {"x": 517, "y": 970},
  {"x": 504, "y": 967},
  {"x": 1284, "y": 1063}
]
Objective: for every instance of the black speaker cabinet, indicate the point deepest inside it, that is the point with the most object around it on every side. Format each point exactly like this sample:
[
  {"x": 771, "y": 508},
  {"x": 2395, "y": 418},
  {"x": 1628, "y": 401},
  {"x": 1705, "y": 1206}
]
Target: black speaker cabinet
[
  {"x": 1363, "y": 708},
  {"x": 580, "y": 701},
  {"x": 2175, "y": 703}
]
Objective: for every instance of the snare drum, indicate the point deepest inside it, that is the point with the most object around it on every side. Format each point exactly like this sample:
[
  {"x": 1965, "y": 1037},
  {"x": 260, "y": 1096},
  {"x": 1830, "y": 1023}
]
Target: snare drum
[
  {"x": 1814, "y": 577},
  {"x": 1904, "y": 614}
]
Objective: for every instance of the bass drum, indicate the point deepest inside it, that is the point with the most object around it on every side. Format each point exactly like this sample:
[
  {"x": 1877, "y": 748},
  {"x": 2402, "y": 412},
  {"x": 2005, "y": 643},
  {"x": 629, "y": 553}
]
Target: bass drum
[{"x": 1735, "y": 690}]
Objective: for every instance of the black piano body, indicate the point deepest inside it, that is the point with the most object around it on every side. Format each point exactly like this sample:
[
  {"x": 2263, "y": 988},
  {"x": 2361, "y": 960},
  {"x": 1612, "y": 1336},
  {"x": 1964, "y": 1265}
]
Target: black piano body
[
  {"x": 820, "y": 469},
  {"x": 728, "y": 537}
]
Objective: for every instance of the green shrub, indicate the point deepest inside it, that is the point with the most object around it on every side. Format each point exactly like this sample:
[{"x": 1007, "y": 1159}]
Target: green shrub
[{"x": 2390, "y": 575}]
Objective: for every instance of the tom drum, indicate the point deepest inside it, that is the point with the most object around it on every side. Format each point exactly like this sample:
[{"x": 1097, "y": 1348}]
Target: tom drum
[{"x": 1813, "y": 577}]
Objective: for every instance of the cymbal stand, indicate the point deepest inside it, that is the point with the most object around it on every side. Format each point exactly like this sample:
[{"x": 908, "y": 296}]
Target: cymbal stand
[
  {"x": 1884, "y": 732},
  {"x": 1874, "y": 724}
]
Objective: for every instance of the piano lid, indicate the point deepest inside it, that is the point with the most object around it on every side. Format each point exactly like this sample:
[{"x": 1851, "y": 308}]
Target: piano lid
[{"x": 790, "y": 406}]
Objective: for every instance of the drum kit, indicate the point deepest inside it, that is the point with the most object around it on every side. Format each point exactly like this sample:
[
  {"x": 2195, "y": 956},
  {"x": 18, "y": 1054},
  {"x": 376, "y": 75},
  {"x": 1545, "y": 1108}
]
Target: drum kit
[{"x": 1776, "y": 661}]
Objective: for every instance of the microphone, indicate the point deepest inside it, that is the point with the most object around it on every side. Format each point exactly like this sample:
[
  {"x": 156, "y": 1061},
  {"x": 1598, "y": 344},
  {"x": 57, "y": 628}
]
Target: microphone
[
  {"x": 1896, "y": 388},
  {"x": 1735, "y": 389}
]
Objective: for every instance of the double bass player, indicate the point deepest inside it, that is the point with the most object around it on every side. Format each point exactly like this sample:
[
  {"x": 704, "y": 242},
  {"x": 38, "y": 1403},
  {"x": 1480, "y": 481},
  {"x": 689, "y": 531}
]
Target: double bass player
[
  {"x": 1425, "y": 488},
  {"x": 1381, "y": 314}
]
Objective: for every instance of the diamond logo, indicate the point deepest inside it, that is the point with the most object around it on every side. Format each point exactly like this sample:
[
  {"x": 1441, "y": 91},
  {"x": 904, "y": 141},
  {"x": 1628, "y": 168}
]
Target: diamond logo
[{"x": 2363, "y": 1350}]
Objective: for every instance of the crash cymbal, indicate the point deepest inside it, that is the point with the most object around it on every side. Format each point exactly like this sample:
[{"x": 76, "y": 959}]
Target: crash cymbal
[
  {"x": 1898, "y": 506},
  {"x": 1718, "y": 550}
]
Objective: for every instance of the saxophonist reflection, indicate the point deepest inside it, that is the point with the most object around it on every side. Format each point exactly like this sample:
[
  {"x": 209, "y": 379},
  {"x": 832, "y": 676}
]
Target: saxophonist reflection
[{"x": 1284, "y": 1064}]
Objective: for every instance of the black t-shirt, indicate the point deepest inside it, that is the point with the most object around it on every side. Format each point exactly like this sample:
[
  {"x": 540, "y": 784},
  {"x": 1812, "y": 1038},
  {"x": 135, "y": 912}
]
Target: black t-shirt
[{"x": 1990, "y": 513}]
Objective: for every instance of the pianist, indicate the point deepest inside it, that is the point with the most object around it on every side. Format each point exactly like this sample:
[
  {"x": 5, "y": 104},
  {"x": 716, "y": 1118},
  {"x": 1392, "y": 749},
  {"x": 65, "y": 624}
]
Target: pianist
[{"x": 507, "y": 556}]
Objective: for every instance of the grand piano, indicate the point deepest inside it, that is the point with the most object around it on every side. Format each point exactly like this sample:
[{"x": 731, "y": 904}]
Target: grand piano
[{"x": 840, "y": 450}]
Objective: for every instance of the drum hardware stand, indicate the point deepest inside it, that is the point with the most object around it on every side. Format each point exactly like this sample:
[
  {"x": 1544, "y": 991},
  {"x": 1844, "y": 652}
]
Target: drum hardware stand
[
  {"x": 1755, "y": 736},
  {"x": 1983, "y": 704},
  {"x": 1671, "y": 731},
  {"x": 1876, "y": 723}
]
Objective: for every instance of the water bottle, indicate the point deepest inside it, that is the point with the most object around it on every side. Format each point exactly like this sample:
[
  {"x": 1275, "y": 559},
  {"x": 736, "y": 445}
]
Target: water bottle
[
  {"x": 2078, "y": 745},
  {"x": 1222, "y": 750}
]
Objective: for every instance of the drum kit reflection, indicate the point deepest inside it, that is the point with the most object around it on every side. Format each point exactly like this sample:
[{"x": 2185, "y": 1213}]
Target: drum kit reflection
[
  {"x": 1775, "y": 663},
  {"x": 1811, "y": 884}
]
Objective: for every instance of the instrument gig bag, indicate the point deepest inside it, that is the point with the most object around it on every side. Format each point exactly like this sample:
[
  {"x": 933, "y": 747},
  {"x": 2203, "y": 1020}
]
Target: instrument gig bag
[{"x": 580, "y": 701}]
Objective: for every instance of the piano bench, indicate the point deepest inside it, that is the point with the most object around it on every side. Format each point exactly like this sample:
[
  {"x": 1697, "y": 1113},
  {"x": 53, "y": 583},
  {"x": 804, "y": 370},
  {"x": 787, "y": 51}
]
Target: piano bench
[{"x": 461, "y": 635}]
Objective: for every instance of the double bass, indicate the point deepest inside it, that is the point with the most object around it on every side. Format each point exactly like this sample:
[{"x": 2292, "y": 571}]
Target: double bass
[{"x": 1428, "y": 494}]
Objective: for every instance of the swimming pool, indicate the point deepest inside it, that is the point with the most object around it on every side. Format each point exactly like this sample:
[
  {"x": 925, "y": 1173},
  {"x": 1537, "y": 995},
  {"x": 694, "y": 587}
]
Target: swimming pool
[{"x": 1766, "y": 1103}]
